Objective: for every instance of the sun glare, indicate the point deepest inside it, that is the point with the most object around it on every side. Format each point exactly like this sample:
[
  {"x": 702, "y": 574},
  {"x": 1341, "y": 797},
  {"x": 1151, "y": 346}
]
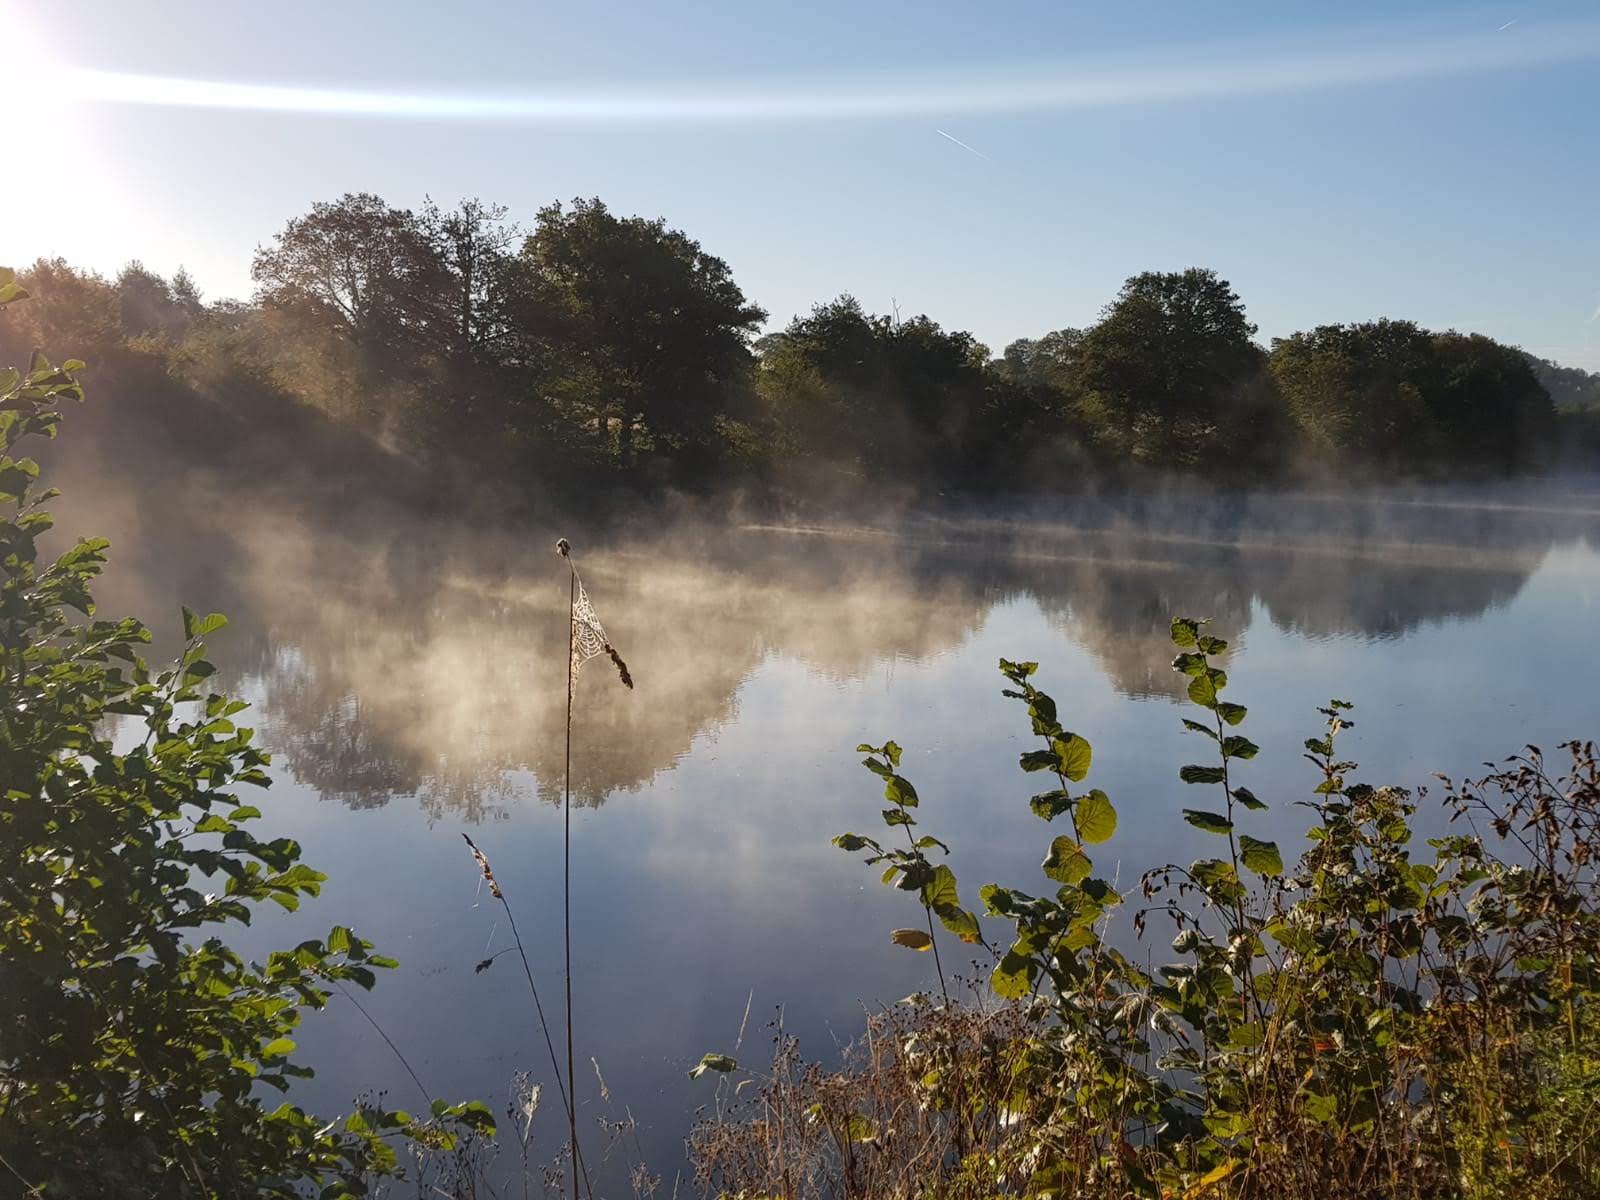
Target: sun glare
[
  {"x": 49, "y": 118},
  {"x": 53, "y": 124}
]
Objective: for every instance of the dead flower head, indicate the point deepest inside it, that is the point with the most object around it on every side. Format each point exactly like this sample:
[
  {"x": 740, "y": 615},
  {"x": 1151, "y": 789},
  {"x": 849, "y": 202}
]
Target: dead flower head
[
  {"x": 622, "y": 667},
  {"x": 488, "y": 871}
]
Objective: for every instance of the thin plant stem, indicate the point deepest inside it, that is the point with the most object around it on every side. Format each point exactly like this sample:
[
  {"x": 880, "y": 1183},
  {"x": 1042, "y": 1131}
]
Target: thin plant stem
[
  {"x": 566, "y": 869},
  {"x": 533, "y": 989},
  {"x": 362, "y": 1009},
  {"x": 33, "y": 1188},
  {"x": 544, "y": 1026},
  {"x": 538, "y": 1007},
  {"x": 933, "y": 941}
]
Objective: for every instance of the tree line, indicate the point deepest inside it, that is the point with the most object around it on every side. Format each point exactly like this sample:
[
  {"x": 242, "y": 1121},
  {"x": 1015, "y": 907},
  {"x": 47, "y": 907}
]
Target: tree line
[{"x": 590, "y": 343}]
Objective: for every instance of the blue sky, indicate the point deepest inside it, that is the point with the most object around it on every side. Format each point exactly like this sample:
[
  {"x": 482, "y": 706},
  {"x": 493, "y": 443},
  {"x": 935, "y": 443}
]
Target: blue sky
[{"x": 1336, "y": 162}]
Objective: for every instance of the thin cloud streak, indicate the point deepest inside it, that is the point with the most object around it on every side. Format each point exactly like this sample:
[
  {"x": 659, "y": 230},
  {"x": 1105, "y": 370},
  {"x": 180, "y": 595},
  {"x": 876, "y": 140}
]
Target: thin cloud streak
[
  {"x": 963, "y": 145},
  {"x": 1201, "y": 75}
]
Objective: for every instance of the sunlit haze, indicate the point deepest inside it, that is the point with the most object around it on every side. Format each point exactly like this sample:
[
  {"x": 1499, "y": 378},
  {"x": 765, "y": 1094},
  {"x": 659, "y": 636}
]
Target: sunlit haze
[
  {"x": 788, "y": 568},
  {"x": 1002, "y": 170}
]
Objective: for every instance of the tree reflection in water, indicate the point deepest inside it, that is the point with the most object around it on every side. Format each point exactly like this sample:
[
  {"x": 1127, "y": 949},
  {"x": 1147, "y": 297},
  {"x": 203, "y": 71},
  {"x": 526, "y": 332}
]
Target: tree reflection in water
[{"x": 430, "y": 664}]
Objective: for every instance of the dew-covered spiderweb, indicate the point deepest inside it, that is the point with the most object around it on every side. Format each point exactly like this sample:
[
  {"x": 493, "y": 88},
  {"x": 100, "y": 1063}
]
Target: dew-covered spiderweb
[{"x": 588, "y": 635}]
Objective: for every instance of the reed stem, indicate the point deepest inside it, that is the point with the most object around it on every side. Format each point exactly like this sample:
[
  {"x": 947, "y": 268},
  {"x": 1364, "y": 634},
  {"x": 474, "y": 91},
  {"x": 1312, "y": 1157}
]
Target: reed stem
[{"x": 566, "y": 871}]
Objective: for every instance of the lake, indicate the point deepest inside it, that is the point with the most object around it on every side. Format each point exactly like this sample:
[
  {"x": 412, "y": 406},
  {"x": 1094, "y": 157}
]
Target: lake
[{"x": 408, "y": 678}]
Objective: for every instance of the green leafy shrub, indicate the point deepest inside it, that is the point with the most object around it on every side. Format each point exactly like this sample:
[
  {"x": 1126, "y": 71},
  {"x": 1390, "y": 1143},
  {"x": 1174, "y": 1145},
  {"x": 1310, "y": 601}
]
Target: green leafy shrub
[
  {"x": 1368, "y": 1022},
  {"x": 136, "y": 1047}
]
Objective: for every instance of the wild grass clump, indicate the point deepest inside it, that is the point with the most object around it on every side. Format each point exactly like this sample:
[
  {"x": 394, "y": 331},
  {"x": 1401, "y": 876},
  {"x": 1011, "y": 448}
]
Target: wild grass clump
[
  {"x": 1377, "y": 1019},
  {"x": 884, "y": 1124}
]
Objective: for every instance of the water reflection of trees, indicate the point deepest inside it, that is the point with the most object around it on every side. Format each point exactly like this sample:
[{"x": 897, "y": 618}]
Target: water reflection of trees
[
  {"x": 425, "y": 667},
  {"x": 445, "y": 700}
]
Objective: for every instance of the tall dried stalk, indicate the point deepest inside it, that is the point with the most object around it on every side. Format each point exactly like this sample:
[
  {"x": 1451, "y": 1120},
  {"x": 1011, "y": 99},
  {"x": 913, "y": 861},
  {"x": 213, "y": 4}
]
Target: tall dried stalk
[
  {"x": 499, "y": 894},
  {"x": 566, "y": 849},
  {"x": 593, "y": 642}
]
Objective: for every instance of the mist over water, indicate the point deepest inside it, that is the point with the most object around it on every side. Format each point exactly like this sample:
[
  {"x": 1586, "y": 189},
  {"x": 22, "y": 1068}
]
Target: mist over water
[{"x": 407, "y": 673}]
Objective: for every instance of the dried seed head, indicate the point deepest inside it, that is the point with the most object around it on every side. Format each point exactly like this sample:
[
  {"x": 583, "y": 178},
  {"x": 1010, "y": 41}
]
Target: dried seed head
[
  {"x": 622, "y": 667},
  {"x": 563, "y": 547},
  {"x": 488, "y": 872}
]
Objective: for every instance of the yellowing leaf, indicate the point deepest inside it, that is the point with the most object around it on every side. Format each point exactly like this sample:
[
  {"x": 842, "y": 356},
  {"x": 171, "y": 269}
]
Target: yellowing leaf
[
  {"x": 721, "y": 1063},
  {"x": 1210, "y": 1179},
  {"x": 912, "y": 939}
]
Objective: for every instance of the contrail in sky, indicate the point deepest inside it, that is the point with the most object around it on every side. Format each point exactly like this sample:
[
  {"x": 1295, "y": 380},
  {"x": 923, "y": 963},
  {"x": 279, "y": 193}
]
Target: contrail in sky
[
  {"x": 1373, "y": 56},
  {"x": 1508, "y": 24},
  {"x": 963, "y": 145}
]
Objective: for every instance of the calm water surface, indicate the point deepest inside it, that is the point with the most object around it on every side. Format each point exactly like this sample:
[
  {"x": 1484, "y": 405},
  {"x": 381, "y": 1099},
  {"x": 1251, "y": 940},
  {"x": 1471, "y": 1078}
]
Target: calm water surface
[{"x": 410, "y": 694}]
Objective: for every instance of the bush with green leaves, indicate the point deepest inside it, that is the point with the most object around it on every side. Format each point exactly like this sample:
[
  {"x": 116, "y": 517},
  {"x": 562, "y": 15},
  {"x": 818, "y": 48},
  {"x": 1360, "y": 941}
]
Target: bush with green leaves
[
  {"x": 137, "y": 1049},
  {"x": 1370, "y": 1022}
]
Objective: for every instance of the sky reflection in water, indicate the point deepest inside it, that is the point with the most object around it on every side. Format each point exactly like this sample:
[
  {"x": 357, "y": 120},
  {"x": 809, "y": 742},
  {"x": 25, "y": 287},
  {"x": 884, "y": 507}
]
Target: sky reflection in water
[{"x": 406, "y": 701}]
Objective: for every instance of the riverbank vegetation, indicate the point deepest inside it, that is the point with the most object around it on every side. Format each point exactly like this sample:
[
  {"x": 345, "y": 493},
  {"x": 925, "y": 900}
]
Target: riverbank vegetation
[
  {"x": 1376, "y": 1019},
  {"x": 1370, "y": 1020},
  {"x": 138, "y": 1050},
  {"x": 617, "y": 350}
]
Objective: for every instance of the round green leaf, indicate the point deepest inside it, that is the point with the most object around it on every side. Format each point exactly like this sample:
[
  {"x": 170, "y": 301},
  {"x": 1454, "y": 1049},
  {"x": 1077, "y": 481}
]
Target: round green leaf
[
  {"x": 1261, "y": 857},
  {"x": 1012, "y": 978},
  {"x": 1096, "y": 818},
  {"x": 1074, "y": 755},
  {"x": 899, "y": 791},
  {"x": 1066, "y": 862}
]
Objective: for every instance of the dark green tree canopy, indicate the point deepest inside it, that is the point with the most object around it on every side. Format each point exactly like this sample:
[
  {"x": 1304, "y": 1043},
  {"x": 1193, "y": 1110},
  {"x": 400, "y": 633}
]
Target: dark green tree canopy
[
  {"x": 638, "y": 315},
  {"x": 1486, "y": 402},
  {"x": 1356, "y": 388},
  {"x": 891, "y": 395},
  {"x": 583, "y": 346},
  {"x": 357, "y": 267},
  {"x": 1055, "y": 359},
  {"x": 1170, "y": 361},
  {"x": 1391, "y": 392}
]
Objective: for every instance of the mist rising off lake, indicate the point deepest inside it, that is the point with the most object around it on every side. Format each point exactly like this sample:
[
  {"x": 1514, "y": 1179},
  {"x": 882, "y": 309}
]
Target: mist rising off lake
[{"x": 408, "y": 678}]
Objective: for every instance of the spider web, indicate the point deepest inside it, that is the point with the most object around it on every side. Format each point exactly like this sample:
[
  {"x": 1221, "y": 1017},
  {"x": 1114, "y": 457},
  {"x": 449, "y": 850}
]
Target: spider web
[{"x": 588, "y": 635}]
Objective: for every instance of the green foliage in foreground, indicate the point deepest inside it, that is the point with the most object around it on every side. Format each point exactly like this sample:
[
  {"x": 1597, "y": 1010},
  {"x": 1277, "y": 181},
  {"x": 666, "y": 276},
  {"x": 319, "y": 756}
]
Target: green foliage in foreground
[
  {"x": 1371, "y": 1022},
  {"x": 136, "y": 1048}
]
